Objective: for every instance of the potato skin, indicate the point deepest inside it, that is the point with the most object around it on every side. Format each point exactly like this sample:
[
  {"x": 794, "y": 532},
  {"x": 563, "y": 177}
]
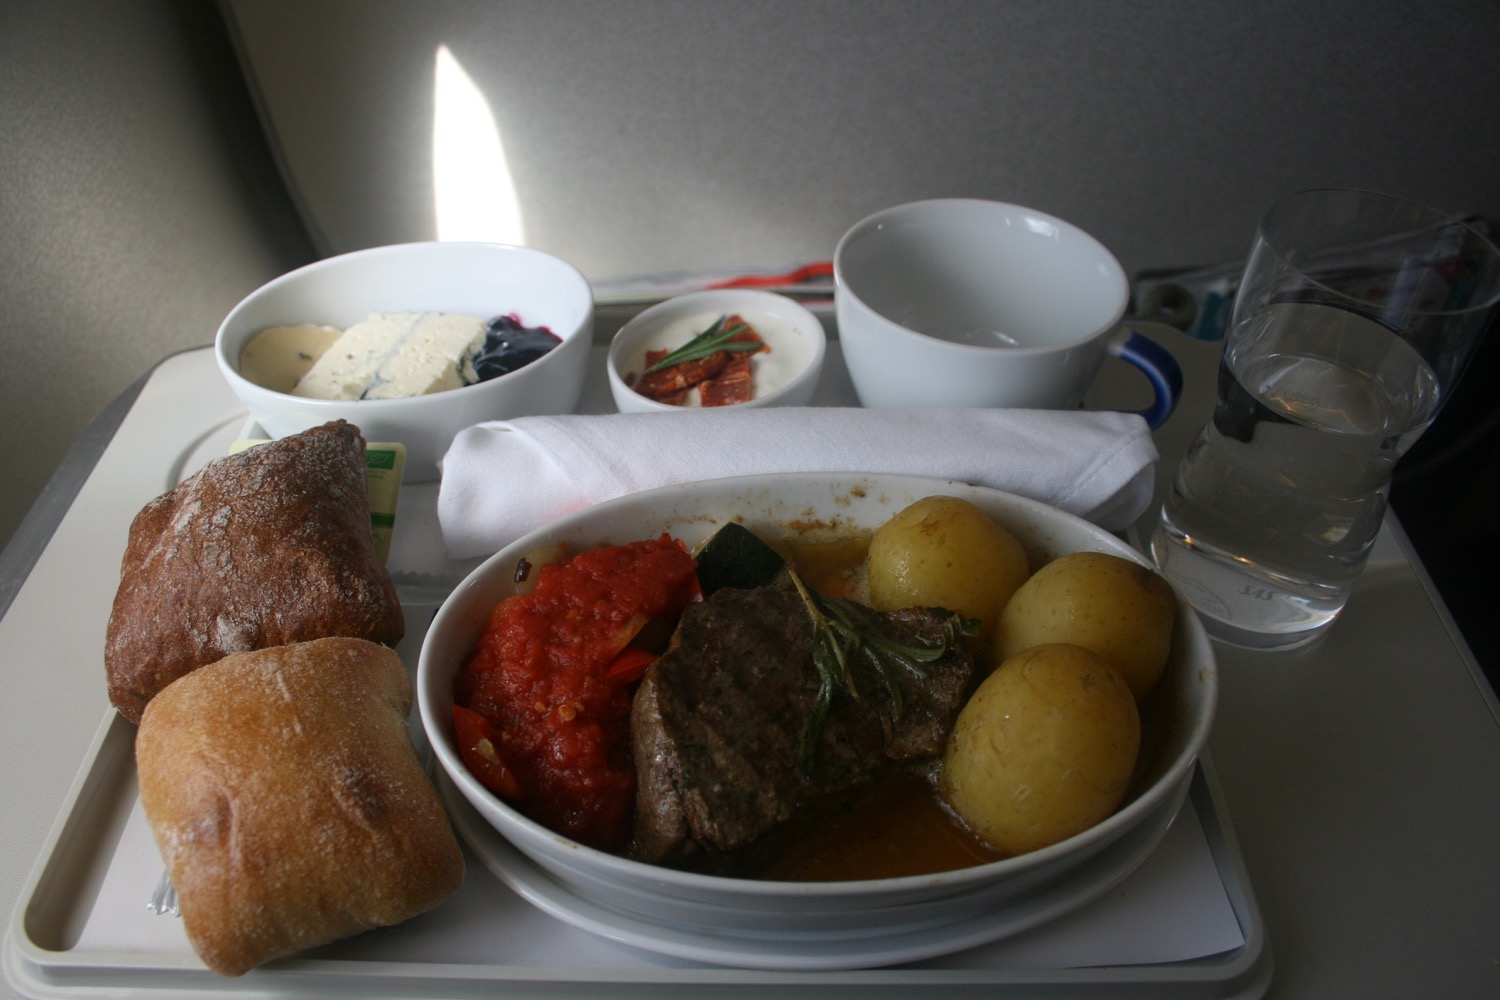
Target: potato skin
[
  {"x": 944, "y": 552},
  {"x": 1043, "y": 750},
  {"x": 1114, "y": 606}
]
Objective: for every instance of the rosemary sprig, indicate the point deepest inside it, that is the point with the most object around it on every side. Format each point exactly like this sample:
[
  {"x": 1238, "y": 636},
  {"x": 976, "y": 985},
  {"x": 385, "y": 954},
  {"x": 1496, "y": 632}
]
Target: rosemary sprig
[
  {"x": 838, "y": 642},
  {"x": 716, "y": 338}
]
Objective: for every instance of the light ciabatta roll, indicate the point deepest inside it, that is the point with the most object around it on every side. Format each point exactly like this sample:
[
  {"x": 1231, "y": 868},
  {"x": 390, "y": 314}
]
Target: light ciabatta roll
[{"x": 288, "y": 801}]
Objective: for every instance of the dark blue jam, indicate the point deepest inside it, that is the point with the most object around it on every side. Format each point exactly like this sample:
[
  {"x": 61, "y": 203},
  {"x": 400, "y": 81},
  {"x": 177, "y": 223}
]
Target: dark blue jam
[{"x": 509, "y": 345}]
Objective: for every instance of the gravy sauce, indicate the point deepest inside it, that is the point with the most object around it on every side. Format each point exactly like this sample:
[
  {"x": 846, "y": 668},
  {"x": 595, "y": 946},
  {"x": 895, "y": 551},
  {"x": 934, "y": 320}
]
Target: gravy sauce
[{"x": 902, "y": 827}]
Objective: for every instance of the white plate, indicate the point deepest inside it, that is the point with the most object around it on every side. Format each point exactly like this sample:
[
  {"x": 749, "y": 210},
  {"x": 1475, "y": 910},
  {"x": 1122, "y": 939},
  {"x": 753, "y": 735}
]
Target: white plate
[
  {"x": 798, "y": 950},
  {"x": 1181, "y": 711}
]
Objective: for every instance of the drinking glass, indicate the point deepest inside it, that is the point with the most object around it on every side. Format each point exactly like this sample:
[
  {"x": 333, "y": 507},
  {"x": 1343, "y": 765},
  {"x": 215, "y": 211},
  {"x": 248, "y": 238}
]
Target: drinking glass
[{"x": 1356, "y": 315}]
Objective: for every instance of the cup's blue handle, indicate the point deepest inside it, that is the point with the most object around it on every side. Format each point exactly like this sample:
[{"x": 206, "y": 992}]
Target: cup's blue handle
[{"x": 1158, "y": 365}]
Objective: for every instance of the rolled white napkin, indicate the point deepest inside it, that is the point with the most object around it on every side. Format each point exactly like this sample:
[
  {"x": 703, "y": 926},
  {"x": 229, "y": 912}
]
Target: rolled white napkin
[{"x": 503, "y": 478}]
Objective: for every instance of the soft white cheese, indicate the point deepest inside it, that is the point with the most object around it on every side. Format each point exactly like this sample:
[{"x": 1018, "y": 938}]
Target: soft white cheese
[
  {"x": 276, "y": 358},
  {"x": 394, "y": 355}
]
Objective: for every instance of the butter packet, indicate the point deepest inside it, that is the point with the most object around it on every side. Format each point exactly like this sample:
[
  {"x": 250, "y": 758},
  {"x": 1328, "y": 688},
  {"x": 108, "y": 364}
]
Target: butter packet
[{"x": 384, "y": 463}]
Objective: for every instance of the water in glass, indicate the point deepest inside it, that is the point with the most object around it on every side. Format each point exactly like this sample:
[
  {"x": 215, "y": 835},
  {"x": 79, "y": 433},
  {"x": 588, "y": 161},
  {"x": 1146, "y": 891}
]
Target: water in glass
[{"x": 1276, "y": 506}]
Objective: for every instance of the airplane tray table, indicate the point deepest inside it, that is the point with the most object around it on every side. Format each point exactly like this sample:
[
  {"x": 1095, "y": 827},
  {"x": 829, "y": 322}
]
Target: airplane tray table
[{"x": 1180, "y": 921}]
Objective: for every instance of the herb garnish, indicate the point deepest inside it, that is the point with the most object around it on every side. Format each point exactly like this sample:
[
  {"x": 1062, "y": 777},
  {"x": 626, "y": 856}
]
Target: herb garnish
[
  {"x": 838, "y": 642},
  {"x": 716, "y": 338}
]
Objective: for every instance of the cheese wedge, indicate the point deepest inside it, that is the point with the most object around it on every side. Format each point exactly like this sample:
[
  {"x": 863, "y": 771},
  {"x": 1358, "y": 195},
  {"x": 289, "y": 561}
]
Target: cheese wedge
[{"x": 394, "y": 355}]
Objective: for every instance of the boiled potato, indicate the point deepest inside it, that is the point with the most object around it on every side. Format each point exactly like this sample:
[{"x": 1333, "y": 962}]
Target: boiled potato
[
  {"x": 944, "y": 552},
  {"x": 1043, "y": 750},
  {"x": 1114, "y": 606}
]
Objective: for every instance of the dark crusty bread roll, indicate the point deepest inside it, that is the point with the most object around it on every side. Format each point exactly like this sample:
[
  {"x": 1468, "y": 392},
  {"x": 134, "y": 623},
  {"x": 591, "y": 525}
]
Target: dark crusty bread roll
[
  {"x": 262, "y": 548},
  {"x": 288, "y": 802}
]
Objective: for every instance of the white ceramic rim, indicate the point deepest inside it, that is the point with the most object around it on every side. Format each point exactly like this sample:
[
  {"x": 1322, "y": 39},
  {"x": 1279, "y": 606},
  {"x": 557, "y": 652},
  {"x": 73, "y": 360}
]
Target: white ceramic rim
[
  {"x": 860, "y": 948},
  {"x": 438, "y": 729},
  {"x": 874, "y": 221}
]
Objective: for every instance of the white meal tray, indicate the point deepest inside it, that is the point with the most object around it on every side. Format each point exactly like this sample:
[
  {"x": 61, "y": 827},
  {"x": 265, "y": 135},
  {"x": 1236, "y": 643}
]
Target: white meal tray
[
  {"x": 84, "y": 930},
  {"x": 1181, "y": 923}
]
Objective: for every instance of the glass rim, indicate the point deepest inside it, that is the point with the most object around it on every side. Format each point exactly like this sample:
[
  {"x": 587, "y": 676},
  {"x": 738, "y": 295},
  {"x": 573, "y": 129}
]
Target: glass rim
[{"x": 1425, "y": 219}]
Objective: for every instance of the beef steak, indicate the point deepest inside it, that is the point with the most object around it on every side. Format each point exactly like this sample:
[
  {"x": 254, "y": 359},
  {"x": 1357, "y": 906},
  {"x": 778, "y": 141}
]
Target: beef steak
[{"x": 717, "y": 725}]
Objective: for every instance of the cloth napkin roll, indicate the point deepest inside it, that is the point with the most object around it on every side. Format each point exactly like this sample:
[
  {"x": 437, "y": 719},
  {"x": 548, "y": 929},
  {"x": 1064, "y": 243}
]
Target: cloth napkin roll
[{"x": 503, "y": 478}]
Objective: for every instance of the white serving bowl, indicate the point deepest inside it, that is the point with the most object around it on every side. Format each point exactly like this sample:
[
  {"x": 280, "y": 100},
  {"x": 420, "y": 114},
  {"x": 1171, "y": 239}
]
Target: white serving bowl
[
  {"x": 1176, "y": 719},
  {"x": 795, "y": 361},
  {"x": 480, "y": 279}
]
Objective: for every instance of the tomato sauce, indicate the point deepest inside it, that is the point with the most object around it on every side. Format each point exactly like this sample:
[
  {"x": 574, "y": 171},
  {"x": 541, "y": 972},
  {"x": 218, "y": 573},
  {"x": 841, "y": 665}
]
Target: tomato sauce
[{"x": 542, "y": 709}]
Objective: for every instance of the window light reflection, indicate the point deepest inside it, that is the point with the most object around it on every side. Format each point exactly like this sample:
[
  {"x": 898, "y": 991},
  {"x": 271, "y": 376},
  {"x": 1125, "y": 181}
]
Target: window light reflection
[{"x": 474, "y": 197}]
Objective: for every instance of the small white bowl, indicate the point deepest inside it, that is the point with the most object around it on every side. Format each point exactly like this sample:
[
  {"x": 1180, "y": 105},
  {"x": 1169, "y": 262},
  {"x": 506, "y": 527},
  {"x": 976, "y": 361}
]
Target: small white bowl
[
  {"x": 480, "y": 279},
  {"x": 1177, "y": 716},
  {"x": 791, "y": 368}
]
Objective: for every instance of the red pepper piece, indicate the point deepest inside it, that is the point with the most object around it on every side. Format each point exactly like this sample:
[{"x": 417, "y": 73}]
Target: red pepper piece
[
  {"x": 629, "y": 666},
  {"x": 671, "y": 385},
  {"x": 681, "y": 377},
  {"x": 731, "y": 385},
  {"x": 478, "y": 746}
]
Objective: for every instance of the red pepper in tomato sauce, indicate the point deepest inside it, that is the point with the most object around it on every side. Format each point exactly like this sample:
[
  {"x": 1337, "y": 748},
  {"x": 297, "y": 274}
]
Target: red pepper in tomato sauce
[{"x": 542, "y": 709}]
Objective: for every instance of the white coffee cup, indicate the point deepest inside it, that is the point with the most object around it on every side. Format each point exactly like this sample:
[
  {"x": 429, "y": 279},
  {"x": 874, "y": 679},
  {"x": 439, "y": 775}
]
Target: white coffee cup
[{"x": 964, "y": 302}]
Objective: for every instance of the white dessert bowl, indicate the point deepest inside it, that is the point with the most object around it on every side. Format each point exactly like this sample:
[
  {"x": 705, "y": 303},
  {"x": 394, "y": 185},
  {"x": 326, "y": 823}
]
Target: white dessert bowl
[
  {"x": 790, "y": 370},
  {"x": 480, "y": 279},
  {"x": 1177, "y": 718}
]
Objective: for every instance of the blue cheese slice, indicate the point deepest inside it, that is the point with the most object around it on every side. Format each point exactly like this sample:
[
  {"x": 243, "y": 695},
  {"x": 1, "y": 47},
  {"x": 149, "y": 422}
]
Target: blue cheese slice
[{"x": 395, "y": 355}]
